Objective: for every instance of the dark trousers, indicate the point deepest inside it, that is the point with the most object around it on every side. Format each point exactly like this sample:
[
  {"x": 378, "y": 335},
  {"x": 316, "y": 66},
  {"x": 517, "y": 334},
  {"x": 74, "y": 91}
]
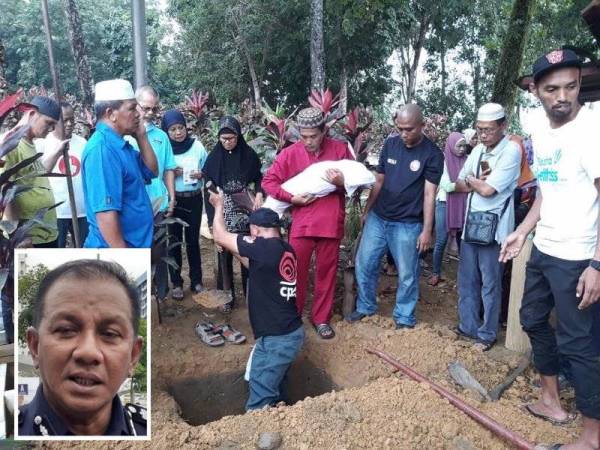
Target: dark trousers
[
  {"x": 550, "y": 283},
  {"x": 229, "y": 268},
  {"x": 161, "y": 273},
  {"x": 52, "y": 244},
  {"x": 65, "y": 226},
  {"x": 7, "y": 317},
  {"x": 189, "y": 209}
]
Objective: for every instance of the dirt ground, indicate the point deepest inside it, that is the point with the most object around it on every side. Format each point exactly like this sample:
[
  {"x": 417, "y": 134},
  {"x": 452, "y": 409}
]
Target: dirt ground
[{"x": 363, "y": 402}]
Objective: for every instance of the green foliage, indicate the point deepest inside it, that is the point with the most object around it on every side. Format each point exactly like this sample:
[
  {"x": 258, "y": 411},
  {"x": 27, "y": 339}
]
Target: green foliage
[
  {"x": 28, "y": 287},
  {"x": 140, "y": 377},
  {"x": 107, "y": 31}
]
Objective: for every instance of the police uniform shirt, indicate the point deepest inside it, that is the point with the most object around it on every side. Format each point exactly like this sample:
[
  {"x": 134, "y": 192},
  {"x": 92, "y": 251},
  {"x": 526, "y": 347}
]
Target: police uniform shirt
[{"x": 39, "y": 419}]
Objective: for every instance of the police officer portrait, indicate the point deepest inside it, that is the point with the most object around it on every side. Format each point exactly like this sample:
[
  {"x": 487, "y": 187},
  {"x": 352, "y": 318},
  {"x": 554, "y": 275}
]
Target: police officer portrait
[{"x": 82, "y": 335}]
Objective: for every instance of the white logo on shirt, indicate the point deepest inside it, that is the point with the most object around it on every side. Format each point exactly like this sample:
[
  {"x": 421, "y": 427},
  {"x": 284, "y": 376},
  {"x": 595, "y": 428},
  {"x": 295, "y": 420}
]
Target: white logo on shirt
[
  {"x": 391, "y": 161},
  {"x": 249, "y": 239},
  {"x": 415, "y": 165},
  {"x": 287, "y": 290}
]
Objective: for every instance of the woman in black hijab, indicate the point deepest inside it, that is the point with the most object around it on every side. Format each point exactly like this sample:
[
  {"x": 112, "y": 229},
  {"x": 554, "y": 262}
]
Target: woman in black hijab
[{"x": 234, "y": 167}]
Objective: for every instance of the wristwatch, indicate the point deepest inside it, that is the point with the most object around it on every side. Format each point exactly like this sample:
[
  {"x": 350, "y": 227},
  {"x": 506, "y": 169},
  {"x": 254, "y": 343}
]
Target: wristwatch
[{"x": 595, "y": 264}]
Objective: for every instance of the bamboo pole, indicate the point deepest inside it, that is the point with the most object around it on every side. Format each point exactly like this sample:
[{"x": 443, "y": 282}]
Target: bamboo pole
[{"x": 59, "y": 125}]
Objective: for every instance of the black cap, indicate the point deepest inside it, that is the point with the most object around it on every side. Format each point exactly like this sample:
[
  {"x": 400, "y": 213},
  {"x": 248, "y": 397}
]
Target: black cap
[
  {"x": 264, "y": 217},
  {"x": 556, "y": 59},
  {"x": 46, "y": 106}
]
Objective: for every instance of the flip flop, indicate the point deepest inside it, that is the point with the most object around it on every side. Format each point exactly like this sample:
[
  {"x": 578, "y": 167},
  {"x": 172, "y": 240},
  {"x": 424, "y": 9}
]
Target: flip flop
[
  {"x": 566, "y": 421},
  {"x": 484, "y": 346},
  {"x": 324, "y": 331},
  {"x": 205, "y": 331},
  {"x": 230, "y": 334}
]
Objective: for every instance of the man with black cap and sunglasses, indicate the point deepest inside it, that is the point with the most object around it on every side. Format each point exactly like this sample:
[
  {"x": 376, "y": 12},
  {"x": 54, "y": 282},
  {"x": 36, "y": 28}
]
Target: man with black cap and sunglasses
[
  {"x": 275, "y": 321},
  {"x": 564, "y": 269},
  {"x": 42, "y": 119}
]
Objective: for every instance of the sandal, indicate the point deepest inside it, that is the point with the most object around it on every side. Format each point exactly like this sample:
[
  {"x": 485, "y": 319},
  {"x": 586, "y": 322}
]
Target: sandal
[
  {"x": 230, "y": 334},
  {"x": 177, "y": 293},
  {"x": 226, "y": 308},
  {"x": 461, "y": 334},
  {"x": 483, "y": 346},
  {"x": 324, "y": 331},
  {"x": 566, "y": 421},
  {"x": 205, "y": 331}
]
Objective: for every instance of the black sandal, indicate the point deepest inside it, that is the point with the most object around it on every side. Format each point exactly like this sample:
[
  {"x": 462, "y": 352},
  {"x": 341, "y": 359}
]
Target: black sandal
[{"x": 324, "y": 331}]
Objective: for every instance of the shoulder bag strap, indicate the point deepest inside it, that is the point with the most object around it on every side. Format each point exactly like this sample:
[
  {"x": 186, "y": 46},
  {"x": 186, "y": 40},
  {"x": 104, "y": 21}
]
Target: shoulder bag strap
[{"x": 476, "y": 176}]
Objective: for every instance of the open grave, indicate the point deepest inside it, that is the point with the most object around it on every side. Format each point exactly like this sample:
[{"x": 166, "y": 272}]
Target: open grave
[{"x": 204, "y": 400}]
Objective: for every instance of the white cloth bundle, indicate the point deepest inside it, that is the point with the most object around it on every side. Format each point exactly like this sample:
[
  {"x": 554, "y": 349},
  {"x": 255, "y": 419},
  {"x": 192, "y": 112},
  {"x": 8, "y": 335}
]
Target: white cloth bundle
[{"x": 312, "y": 181}]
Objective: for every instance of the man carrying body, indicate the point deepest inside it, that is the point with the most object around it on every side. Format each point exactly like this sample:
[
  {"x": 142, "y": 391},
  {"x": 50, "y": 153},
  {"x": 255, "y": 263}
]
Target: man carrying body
[
  {"x": 317, "y": 223},
  {"x": 49, "y": 146},
  {"x": 399, "y": 215},
  {"x": 25, "y": 206},
  {"x": 118, "y": 209},
  {"x": 564, "y": 269},
  {"x": 275, "y": 321},
  {"x": 490, "y": 175},
  {"x": 162, "y": 188}
]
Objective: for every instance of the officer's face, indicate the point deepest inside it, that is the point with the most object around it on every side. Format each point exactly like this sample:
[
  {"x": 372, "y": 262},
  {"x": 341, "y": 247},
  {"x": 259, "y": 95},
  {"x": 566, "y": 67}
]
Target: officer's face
[{"x": 85, "y": 346}]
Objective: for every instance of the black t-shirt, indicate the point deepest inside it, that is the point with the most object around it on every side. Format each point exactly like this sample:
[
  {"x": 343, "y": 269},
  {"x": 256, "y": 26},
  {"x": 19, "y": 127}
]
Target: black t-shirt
[
  {"x": 405, "y": 170},
  {"x": 271, "y": 285}
]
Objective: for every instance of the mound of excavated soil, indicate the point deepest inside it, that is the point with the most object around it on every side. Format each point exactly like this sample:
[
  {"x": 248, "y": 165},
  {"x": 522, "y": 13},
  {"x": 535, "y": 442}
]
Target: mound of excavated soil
[{"x": 375, "y": 408}]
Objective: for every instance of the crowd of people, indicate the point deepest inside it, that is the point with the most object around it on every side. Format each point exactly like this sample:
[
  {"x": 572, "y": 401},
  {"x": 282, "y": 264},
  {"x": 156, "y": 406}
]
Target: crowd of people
[{"x": 479, "y": 194}]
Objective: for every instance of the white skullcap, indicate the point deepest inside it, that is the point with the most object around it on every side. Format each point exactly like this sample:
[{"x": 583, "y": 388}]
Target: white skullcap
[
  {"x": 111, "y": 90},
  {"x": 490, "y": 111}
]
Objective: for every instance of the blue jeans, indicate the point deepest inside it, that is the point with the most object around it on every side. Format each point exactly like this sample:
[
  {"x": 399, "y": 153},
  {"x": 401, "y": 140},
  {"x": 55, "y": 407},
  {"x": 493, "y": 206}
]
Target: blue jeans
[
  {"x": 65, "y": 226},
  {"x": 401, "y": 238},
  {"x": 479, "y": 279},
  {"x": 7, "y": 317},
  {"x": 271, "y": 360},
  {"x": 441, "y": 237}
]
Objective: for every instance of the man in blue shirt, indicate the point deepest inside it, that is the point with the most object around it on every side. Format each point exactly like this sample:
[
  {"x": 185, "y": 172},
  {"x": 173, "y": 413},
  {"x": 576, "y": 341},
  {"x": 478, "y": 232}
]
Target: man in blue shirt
[
  {"x": 119, "y": 212},
  {"x": 399, "y": 215}
]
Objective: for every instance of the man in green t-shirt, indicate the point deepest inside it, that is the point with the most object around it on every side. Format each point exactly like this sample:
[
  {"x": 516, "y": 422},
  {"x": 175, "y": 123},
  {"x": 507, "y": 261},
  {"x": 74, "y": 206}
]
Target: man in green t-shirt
[{"x": 26, "y": 204}]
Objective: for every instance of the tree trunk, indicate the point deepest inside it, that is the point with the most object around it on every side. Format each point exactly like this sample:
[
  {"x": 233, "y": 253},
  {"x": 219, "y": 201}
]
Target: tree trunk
[
  {"x": 343, "y": 105},
  {"x": 317, "y": 46},
  {"x": 509, "y": 65},
  {"x": 241, "y": 41},
  {"x": 3, "y": 83},
  {"x": 140, "y": 57},
  {"x": 444, "y": 77},
  {"x": 410, "y": 64},
  {"x": 477, "y": 84},
  {"x": 84, "y": 73}
]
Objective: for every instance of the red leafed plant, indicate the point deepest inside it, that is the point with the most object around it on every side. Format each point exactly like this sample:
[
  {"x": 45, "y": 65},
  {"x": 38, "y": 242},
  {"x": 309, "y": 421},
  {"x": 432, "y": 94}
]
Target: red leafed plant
[
  {"x": 278, "y": 130},
  {"x": 197, "y": 104},
  {"x": 324, "y": 100}
]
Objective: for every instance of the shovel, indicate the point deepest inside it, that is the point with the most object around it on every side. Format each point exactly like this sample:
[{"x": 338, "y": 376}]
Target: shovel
[{"x": 464, "y": 378}]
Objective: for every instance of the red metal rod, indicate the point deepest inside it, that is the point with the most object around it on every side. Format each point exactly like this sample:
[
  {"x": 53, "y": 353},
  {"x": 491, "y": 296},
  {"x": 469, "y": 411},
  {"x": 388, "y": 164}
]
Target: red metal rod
[{"x": 472, "y": 412}]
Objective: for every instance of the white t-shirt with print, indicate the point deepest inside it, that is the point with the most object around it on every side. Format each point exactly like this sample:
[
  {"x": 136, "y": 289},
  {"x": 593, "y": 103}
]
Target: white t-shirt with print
[
  {"x": 566, "y": 163},
  {"x": 59, "y": 185}
]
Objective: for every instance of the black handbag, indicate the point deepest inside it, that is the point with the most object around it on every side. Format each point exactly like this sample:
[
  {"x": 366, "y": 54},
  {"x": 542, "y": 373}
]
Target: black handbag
[{"x": 481, "y": 226}]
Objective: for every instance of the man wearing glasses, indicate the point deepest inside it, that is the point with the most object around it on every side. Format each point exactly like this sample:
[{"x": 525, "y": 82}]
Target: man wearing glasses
[{"x": 490, "y": 175}]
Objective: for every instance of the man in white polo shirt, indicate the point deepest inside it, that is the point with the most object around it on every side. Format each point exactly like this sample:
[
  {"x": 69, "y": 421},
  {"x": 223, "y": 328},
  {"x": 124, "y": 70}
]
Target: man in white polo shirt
[{"x": 563, "y": 272}]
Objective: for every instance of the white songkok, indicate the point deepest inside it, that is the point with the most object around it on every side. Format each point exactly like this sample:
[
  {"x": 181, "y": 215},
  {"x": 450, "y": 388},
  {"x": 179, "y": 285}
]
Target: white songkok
[
  {"x": 112, "y": 90},
  {"x": 490, "y": 111}
]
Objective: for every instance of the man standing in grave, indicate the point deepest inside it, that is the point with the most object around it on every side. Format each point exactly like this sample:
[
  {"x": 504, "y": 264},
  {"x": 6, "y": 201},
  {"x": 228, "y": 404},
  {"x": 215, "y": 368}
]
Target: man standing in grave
[{"x": 275, "y": 321}]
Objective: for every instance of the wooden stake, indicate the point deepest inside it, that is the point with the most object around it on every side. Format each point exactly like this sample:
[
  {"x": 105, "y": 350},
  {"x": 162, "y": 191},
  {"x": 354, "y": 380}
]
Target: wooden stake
[{"x": 516, "y": 338}]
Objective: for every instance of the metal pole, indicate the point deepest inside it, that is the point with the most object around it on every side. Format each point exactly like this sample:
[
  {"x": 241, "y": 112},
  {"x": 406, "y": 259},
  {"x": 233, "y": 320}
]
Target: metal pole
[
  {"x": 59, "y": 125},
  {"x": 485, "y": 420},
  {"x": 138, "y": 14}
]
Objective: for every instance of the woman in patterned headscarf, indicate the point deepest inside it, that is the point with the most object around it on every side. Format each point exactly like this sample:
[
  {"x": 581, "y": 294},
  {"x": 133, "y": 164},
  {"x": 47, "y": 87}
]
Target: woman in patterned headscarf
[{"x": 234, "y": 167}]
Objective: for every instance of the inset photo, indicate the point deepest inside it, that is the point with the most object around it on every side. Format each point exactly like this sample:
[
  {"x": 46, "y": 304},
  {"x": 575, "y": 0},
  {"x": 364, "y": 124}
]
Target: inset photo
[{"x": 82, "y": 344}]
